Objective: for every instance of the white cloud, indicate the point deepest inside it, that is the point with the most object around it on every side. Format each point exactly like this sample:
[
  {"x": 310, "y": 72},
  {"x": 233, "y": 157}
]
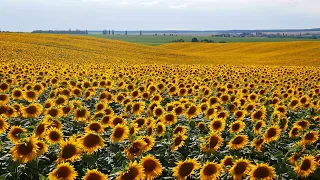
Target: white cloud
[{"x": 152, "y": 3}]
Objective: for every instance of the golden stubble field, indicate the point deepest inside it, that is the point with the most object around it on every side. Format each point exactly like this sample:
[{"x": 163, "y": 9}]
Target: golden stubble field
[{"x": 87, "y": 108}]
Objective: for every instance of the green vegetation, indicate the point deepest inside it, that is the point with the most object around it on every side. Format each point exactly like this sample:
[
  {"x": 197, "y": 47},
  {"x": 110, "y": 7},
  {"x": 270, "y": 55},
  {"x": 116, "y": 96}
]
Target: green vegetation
[{"x": 158, "y": 40}]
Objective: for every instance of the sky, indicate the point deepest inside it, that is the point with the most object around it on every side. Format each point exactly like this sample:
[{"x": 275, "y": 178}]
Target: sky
[{"x": 28, "y": 15}]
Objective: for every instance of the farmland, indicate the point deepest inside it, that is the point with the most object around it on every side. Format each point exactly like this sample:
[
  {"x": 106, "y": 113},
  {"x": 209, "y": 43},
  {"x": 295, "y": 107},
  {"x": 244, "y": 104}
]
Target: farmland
[
  {"x": 158, "y": 40},
  {"x": 79, "y": 107}
]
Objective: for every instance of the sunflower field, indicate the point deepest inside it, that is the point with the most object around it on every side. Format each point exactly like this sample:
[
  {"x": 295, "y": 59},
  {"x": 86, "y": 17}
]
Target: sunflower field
[{"x": 69, "y": 111}]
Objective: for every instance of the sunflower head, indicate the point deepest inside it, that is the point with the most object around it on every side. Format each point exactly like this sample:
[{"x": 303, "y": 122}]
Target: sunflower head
[
  {"x": 262, "y": 171},
  {"x": 25, "y": 151},
  {"x": 54, "y": 135},
  {"x": 238, "y": 142},
  {"x": 210, "y": 170},
  {"x": 91, "y": 142},
  {"x": 3, "y": 125},
  {"x": 119, "y": 133},
  {"x": 152, "y": 167},
  {"x": 217, "y": 125},
  {"x": 94, "y": 174},
  {"x": 63, "y": 171},
  {"x": 135, "y": 171},
  {"x": 69, "y": 151},
  {"x": 184, "y": 169},
  {"x": 306, "y": 167},
  {"x": 240, "y": 168},
  {"x": 178, "y": 141},
  {"x": 237, "y": 127},
  {"x": 272, "y": 134},
  {"x": 94, "y": 127}
]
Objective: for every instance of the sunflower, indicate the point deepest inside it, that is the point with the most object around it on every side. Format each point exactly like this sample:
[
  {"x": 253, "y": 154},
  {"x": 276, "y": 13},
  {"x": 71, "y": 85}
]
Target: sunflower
[
  {"x": 119, "y": 133},
  {"x": 25, "y": 151},
  {"x": 210, "y": 171},
  {"x": 4, "y": 99},
  {"x": 152, "y": 167},
  {"x": 293, "y": 159},
  {"x": 281, "y": 109},
  {"x": 222, "y": 114},
  {"x": 91, "y": 142},
  {"x": 4, "y": 87},
  {"x": 304, "y": 124},
  {"x": 192, "y": 111},
  {"x": 11, "y": 112},
  {"x": 105, "y": 121},
  {"x": 158, "y": 111},
  {"x": 94, "y": 127},
  {"x": 310, "y": 137},
  {"x": 81, "y": 114},
  {"x": 178, "y": 129},
  {"x": 240, "y": 168},
  {"x": 238, "y": 142},
  {"x": 136, "y": 148},
  {"x": 307, "y": 166},
  {"x": 3, "y": 125},
  {"x": 212, "y": 143},
  {"x": 54, "y": 135},
  {"x": 30, "y": 95},
  {"x": 32, "y": 111},
  {"x": 133, "y": 129},
  {"x": 210, "y": 113},
  {"x": 178, "y": 110},
  {"x": 259, "y": 114},
  {"x": 63, "y": 171},
  {"x": 239, "y": 114},
  {"x": 48, "y": 104},
  {"x": 137, "y": 108},
  {"x": 94, "y": 174},
  {"x": 16, "y": 133},
  {"x": 42, "y": 148},
  {"x": 186, "y": 168},
  {"x": 201, "y": 126},
  {"x": 40, "y": 130},
  {"x": 150, "y": 142},
  {"x": 293, "y": 103},
  {"x": 160, "y": 129},
  {"x": 227, "y": 161},
  {"x": 272, "y": 134},
  {"x": 54, "y": 112},
  {"x": 295, "y": 132},
  {"x": 258, "y": 126},
  {"x": 169, "y": 118},
  {"x": 69, "y": 151},
  {"x": 217, "y": 125},
  {"x": 66, "y": 110},
  {"x": 140, "y": 122},
  {"x": 237, "y": 127},
  {"x": 262, "y": 171},
  {"x": 257, "y": 143},
  {"x": 178, "y": 141},
  {"x": 225, "y": 98},
  {"x": 135, "y": 171},
  {"x": 117, "y": 120},
  {"x": 213, "y": 101}
]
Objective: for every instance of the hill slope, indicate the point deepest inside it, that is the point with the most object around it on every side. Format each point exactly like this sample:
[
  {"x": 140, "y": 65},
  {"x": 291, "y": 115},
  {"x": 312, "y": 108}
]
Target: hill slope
[{"x": 53, "y": 48}]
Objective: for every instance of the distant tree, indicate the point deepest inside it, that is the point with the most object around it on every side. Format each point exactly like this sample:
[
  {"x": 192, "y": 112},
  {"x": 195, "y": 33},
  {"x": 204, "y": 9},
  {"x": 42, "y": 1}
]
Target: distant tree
[
  {"x": 126, "y": 33},
  {"x": 194, "y": 40},
  {"x": 140, "y": 33},
  {"x": 109, "y": 32},
  {"x": 112, "y": 32}
]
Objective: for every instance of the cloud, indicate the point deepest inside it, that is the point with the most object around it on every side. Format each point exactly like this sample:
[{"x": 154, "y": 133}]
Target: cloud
[{"x": 152, "y": 3}]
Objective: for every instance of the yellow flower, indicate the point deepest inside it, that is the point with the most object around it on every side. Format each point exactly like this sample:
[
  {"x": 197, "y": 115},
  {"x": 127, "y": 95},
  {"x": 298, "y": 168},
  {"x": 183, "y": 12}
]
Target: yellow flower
[
  {"x": 91, "y": 142},
  {"x": 240, "y": 168},
  {"x": 184, "y": 169},
  {"x": 262, "y": 171},
  {"x": 94, "y": 174},
  {"x": 217, "y": 125},
  {"x": 69, "y": 151},
  {"x": 307, "y": 166},
  {"x": 119, "y": 133},
  {"x": 210, "y": 171},
  {"x": 152, "y": 167},
  {"x": 238, "y": 142},
  {"x": 25, "y": 151},
  {"x": 135, "y": 171},
  {"x": 272, "y": 134},
  {"x": 63, "y": 171}
]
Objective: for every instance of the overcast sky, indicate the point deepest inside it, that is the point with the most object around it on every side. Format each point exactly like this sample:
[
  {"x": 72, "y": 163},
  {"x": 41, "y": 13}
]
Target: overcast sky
[{"x": 28, "y": 15}]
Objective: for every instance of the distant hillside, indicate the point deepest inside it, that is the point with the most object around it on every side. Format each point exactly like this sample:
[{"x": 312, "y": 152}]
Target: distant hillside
[{"x": 76, "y": 49}]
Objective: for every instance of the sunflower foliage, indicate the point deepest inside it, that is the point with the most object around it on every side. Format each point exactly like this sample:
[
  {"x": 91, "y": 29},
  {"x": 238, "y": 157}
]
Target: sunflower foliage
[{"x": 77, "y": 115}]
